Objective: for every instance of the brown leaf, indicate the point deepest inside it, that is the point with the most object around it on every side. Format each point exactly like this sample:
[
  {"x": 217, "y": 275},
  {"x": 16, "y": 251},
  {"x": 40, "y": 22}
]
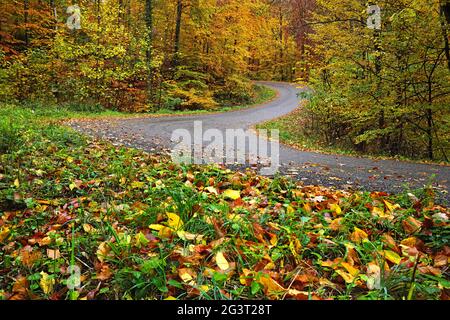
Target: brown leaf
[
  {"x": 105, "y": 273},
  {"x": 411, "y": 225},
  {"x": 28, "y": 256},
  {"x": 53, "y": 254}
]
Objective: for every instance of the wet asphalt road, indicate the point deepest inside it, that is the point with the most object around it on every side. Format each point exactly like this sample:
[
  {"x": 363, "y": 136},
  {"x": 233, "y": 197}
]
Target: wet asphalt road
[{"x": 344, "y": 172}]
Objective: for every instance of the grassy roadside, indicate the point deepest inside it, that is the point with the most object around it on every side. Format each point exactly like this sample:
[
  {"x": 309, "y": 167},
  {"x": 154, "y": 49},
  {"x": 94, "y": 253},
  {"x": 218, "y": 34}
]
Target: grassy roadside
[
  {"x": 294, "y": 135},
  {"x": 54, "y": 112},
  {"x": 141, "y": 227}
]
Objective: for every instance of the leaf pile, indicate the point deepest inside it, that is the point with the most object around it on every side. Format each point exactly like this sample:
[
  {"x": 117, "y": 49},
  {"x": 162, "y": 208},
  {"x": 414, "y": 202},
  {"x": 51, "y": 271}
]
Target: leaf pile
[{"x": 137, "y": 226}]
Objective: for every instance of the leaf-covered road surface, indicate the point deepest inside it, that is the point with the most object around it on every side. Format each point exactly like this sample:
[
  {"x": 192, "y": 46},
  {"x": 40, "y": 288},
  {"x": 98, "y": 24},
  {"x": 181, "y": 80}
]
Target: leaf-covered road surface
[{"x": 153, "y": 134}]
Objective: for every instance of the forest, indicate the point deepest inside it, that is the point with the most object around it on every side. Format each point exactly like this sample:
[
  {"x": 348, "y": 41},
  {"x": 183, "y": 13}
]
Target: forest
[
  {"x": 376, "y": 91},
  {"x": 92, "y": 206}
]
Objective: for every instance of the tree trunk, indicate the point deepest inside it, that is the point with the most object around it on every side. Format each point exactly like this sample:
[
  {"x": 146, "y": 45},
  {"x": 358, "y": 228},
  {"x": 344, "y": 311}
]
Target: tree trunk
[
  {"x": 149, "y": 26},
  {"x": 177, "y": 34},
  {"x": 25, "y": 20},
  {"x": 430, "y": 133},
  {"x": 444, "y": 25}
]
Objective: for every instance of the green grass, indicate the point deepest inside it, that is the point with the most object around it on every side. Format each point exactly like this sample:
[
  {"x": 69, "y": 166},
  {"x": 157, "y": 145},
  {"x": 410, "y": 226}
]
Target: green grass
[
  {"x": 141, "y": 227},
  {"x": 39, "y": 111}
]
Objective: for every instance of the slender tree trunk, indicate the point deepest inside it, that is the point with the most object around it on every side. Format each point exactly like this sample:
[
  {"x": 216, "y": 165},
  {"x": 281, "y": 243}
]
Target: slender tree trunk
[
  {"x": 149, "y": 52},
  {"x": 430, "y": 134},
  {"x": 281, "y": 44},
  {"x": 177, "y": 34},
  {"x": 444, "y": 26}
]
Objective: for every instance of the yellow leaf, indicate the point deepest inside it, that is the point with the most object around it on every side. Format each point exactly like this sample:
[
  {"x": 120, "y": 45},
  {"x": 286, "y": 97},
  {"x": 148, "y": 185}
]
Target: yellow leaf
[
  {"x": 352, "y": 270},
  {"x": 204, "y": 288},
  {"x": 378, "y": 212},
  {"x": 17, "y": 183},
  {"x": 103, "y": 251},
  {"x": 234, "y": 217},
  {"x": 390, "y": 206},
  {"x": 231, "y": 194},
  {"x": 137, "y": 184},
  {"x": 185, "y": 274},
  {"x": 156, "y": 227},
  {"x": 46, "y": 283},
  {"x": 335, "y": 208},
  {"x": 358, "y": 235},
  {"x": 140, "y": 240},
  {"x": 410, "y": 242},
  {"x": 336, "y": 224},
  {"x": 88, "y": 228},
  {"x": 72, "y": 186},
  {"x": 4, "y": 233},
  {"x": 273, "y": 239},
  {"x": 170, "y": 298},
  {"x": 221, "y": 262},
  {"x": 270, "y": 285},
  {"x": 165, "y": 232},
  {"x": 348, "y": 278},
  {"x": 174, "y": 221},
  {"x": 392, "y": 256},
  {"x": 69, "y": 159},
  {"x": 290, "y": 210}
]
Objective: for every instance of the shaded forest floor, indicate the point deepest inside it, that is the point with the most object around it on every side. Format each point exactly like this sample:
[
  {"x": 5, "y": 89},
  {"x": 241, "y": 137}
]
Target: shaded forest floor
[{"x": 139, "y": 226}]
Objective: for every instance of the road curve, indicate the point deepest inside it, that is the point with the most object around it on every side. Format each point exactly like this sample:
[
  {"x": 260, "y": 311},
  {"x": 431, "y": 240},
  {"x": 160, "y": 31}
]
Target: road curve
[{"x": 345, "y": 172}]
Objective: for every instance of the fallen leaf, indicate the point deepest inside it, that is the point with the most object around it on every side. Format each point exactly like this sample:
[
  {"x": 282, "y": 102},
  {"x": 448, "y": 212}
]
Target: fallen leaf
[
  {"x": 105, "y": 273},
  {"x": 231, "y": 194},
  {"x": 103, "y": 251},
  {"x": 335, "y": 208},
  {"x": 358, "y": 235},
  {"x": 392, "y": 256},
  {"x": 53, "y": 254},
  {"x": 46, "y": 283},
  {"x": 270, "y": 285},
  {"x": 352, "y": 270},
  {"x": 28, "y": 256},
  {"x": 174, "y": 221},
  {"x": 348, "y": 278},
  {"x": 212, "y": 190},
  {"x": 88, "y": 228},
  {"x": 221, "y": 262},
  {"x": 411, "y": 225},
  {"x": 4, "y": 233}
]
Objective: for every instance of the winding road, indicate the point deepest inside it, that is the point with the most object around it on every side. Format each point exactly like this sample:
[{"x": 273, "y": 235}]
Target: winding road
[{"x": 153, "y": 134}]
